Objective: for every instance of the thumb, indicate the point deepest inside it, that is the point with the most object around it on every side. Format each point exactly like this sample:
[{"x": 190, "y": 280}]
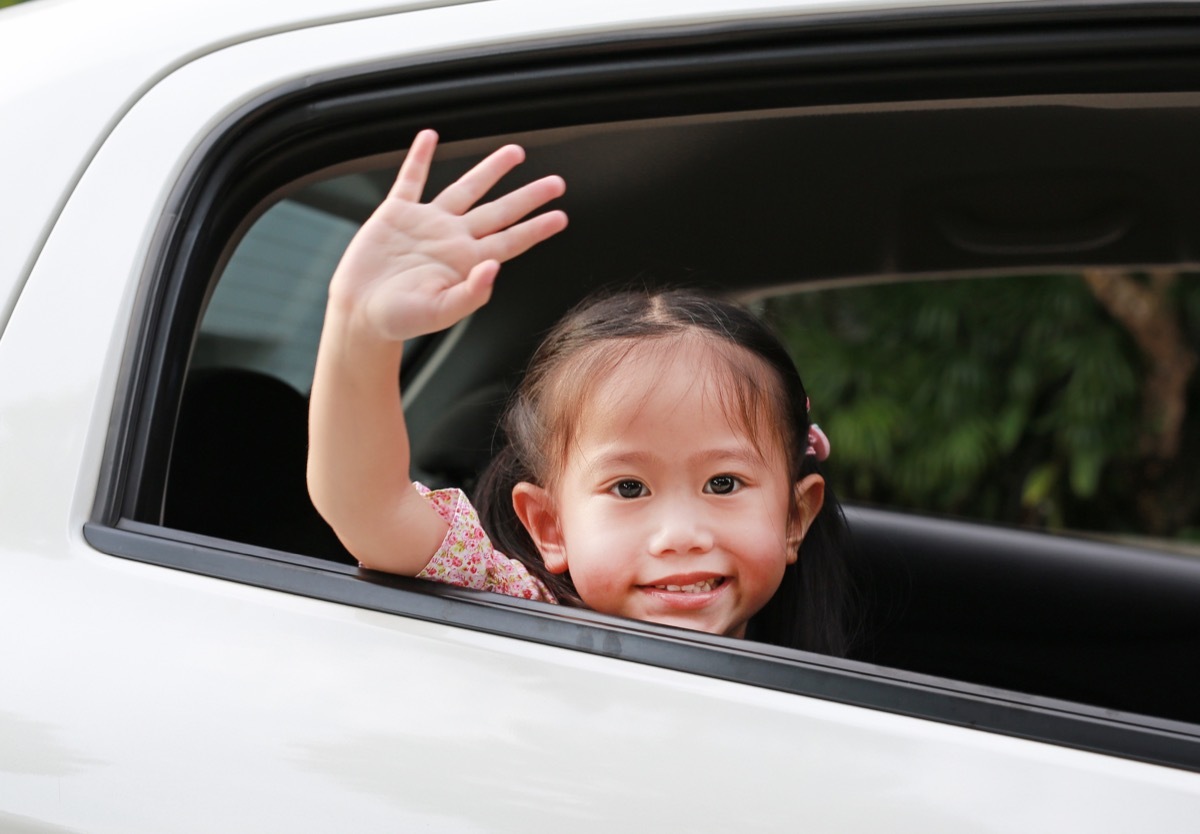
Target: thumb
[{"x": 468, "y": 296}]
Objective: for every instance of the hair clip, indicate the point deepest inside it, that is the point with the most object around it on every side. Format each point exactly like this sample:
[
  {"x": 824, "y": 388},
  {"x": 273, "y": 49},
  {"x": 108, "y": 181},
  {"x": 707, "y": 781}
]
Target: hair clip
[{"x": 818, "y": 442}]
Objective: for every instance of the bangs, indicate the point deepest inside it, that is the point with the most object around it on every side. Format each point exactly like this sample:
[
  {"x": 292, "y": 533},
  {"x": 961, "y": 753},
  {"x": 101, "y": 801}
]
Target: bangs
[{"x": 745, "y": 388}]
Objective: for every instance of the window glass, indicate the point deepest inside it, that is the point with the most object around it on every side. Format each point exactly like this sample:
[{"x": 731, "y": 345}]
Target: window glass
[
  {"x": 266, "y": 312},
  {"x": 1058, "y": 402}
]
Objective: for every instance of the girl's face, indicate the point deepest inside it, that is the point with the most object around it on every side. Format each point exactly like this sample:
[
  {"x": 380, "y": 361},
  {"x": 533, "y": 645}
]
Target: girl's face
[{"x": 665, "y": 510}]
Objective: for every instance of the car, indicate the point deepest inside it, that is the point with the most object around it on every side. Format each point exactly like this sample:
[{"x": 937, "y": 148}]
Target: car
[{"x": 186, "y": 646}]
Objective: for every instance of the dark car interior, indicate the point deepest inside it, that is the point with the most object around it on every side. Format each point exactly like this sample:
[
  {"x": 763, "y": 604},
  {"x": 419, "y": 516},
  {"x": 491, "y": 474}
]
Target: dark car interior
[
  {"x": 748, "y": 164},
  {"x": 747, "y": 204}
]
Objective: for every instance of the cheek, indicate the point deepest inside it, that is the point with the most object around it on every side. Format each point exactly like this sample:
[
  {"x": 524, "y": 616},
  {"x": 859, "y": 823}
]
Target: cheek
[
  {"x": 761, "y": 580},
  {"x": 764, "y": 550},
  {"x": 602, "y": 585},
  {"x": 595, "y": 589},
  {"x": 599, "y": 550}
]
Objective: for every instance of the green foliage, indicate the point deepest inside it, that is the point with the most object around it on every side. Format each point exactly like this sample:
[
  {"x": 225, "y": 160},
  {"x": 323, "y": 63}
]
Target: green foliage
[{"x": 1014, "y": 399}]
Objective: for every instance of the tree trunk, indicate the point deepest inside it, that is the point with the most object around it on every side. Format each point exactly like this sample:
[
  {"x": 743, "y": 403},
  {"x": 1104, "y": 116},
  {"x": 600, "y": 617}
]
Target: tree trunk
[{"x": 1145, "y": 310}]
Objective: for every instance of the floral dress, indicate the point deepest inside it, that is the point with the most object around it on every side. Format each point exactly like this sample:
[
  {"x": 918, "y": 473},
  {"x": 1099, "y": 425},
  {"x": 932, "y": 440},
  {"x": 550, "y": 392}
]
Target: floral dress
[{"x": 467, "y": 558}]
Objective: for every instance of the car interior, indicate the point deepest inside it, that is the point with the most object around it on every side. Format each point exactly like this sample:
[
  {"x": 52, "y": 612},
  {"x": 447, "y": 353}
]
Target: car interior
[
  {"x": 749, "y": 204},
  {"x": 751, "y": 174}
]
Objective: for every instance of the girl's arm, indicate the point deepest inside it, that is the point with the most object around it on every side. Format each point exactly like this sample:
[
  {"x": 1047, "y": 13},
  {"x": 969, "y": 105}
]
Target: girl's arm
[{"x": 413, "y": 268}]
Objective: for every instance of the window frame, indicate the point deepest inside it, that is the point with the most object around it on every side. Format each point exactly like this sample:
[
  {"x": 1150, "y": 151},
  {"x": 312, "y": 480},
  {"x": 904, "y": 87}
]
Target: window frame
[{"x": 279, "y": 137}]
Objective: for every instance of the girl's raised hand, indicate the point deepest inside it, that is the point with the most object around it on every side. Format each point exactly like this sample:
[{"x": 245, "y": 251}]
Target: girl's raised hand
[{"x": 416, "y": 267}]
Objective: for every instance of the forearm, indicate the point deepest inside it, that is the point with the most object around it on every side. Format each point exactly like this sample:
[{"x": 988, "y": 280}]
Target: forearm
[{"x": 358, "y": 460}]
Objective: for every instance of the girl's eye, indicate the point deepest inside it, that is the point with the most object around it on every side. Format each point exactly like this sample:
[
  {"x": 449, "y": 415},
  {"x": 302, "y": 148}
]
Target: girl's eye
[
  {"x": 630, "y": 489},
  {"x": 722, "y": 484}
]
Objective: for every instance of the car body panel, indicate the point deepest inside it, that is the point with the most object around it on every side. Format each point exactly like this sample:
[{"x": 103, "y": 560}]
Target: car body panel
[
  {"x": 75, "y": 87},
  {"x": 139, "y": 698}
]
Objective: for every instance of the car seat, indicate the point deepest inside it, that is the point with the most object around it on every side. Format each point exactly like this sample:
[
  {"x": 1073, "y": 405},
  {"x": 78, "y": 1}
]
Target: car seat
[{"x": 238, "y": 464}]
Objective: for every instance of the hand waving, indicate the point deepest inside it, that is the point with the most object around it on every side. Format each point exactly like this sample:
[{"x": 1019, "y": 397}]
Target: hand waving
[{"x": 416, "y": 267}]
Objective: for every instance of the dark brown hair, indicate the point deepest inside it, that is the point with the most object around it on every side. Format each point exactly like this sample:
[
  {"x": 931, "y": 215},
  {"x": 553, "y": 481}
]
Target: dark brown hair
[{"x": 759, "y": 382}]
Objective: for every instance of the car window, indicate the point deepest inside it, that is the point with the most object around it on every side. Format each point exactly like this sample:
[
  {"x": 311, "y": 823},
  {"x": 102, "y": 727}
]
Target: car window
[
  {"x": 1062, "y": 402},
  {"x": 265, "y": 314}
]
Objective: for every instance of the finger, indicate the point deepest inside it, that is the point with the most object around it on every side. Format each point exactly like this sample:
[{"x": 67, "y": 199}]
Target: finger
[
  {"x": 471, "y": 186},
  {"x": 513, "y": 241},
  {"x": 503, "y": 212},
  {"x": 472, "y": 293},
  {"x": 414, "y": 171}
]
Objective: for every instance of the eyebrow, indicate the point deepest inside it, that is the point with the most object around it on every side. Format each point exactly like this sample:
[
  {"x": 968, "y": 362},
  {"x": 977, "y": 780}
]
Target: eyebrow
[{"x": 719, "y": 455}]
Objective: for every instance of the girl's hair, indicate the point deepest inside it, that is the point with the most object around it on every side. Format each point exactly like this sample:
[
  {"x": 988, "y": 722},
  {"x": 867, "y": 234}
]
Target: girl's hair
[{"x": 811, "y": 607}]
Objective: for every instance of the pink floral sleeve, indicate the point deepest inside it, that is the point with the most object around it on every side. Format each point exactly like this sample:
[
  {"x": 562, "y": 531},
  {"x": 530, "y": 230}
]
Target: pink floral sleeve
[{"x": 467, "y": 558}]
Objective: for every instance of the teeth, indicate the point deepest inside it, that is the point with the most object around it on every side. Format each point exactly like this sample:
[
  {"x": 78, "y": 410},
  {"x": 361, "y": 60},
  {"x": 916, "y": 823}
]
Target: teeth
[{"x": 694, "y": 588}]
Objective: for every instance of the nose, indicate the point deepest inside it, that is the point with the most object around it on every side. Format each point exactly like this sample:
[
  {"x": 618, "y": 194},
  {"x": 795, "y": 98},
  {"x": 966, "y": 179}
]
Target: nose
[{"x": 680, "y": 528}]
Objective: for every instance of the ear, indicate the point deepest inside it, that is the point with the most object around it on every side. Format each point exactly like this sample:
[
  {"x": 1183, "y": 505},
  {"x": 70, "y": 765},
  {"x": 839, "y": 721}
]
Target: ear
[
  {"x": 535, "y": 508},
  {"x": 810, "y": 497}
]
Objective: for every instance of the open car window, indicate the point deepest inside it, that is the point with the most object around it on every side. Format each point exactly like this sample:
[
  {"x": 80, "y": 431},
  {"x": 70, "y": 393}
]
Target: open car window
[
  {"x": 845, "y": 205},
  {"x": 1059, "y": 402}
]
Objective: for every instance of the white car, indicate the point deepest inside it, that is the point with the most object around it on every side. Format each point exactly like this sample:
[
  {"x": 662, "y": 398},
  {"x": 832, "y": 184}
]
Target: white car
[{"x": 185, "y": 647}]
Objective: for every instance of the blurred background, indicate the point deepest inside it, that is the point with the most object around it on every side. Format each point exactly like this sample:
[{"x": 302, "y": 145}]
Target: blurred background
[{"x": 1062, "y": 402}]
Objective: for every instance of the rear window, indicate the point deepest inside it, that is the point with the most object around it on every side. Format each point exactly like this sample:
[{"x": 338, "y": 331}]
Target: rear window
[{"x": 1062, "y": 402}]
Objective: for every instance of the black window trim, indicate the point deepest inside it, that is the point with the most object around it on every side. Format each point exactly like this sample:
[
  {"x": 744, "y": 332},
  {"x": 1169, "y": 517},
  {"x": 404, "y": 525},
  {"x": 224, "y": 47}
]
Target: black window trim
[{"x": 853, "y": 56}]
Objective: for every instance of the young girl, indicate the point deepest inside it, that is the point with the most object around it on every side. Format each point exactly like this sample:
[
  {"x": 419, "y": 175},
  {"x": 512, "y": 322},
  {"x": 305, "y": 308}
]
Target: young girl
[{"x": 659, "y": 462}]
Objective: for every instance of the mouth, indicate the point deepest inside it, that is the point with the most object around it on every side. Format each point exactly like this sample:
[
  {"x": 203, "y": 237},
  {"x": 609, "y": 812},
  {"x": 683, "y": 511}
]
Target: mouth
[
  {"x": 702, "y": 587},
  {"x": 686, "y": 593}
]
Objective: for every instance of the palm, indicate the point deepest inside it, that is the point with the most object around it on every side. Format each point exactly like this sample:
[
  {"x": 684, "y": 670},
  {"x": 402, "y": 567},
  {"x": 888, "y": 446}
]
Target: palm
[
  {"x": 405, "y": 262},
  {"x": 417, "y": 267}
]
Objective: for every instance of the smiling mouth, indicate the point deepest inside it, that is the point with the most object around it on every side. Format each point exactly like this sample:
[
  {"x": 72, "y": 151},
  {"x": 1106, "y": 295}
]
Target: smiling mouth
[{"x": 702, "y": 587}]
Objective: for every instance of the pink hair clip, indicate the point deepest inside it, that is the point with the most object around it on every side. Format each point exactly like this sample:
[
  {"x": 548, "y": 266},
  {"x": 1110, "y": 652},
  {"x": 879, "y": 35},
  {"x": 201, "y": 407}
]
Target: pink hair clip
[{"x": 818, "y": 441}]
